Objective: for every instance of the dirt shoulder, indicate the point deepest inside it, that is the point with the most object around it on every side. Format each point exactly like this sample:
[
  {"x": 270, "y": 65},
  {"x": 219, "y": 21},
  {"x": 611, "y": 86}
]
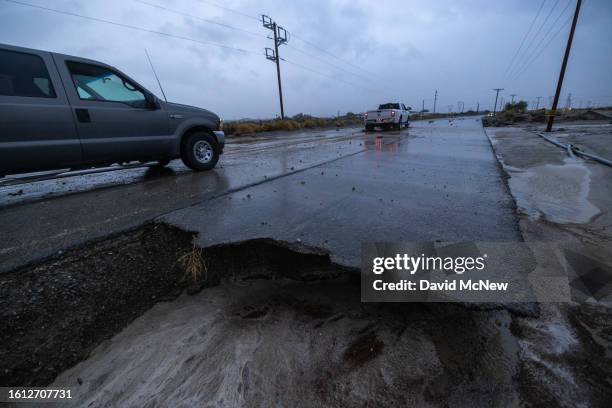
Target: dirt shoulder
[
  {"x": 566, "y": 201},
  {"x": 54, "y": 313}
]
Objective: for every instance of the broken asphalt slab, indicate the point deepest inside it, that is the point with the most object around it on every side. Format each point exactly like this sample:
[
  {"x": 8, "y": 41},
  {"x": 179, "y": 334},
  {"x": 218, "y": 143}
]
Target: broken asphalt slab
[{"x": 439, "y": 182}]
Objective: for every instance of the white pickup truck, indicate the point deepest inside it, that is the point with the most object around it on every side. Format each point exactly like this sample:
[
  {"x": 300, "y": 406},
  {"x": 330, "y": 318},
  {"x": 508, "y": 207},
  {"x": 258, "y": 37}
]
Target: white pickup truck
[{"x": 387, "y": 116}]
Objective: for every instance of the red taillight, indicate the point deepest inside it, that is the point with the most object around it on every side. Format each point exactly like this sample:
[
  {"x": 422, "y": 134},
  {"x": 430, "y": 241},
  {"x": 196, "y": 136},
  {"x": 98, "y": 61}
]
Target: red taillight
[{"x": 392, "y": 113}]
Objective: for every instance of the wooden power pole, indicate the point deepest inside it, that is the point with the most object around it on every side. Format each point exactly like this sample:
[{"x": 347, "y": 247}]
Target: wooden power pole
[{"x": 551, "y": 117}]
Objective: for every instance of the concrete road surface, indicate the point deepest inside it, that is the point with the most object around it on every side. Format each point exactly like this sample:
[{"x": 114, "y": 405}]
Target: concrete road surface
[
  {"x": 330, "y": 189},
  {"x": 438, "y": 181},
  {"x": 40, "y": 219}
]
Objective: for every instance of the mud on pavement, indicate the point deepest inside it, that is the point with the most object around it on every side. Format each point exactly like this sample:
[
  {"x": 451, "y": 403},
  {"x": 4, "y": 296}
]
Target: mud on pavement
[{"x": 122, "y": 323}]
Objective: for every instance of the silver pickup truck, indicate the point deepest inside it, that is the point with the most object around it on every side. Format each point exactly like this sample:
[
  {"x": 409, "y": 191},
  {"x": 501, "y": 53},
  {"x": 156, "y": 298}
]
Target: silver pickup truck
[
  {"x": 59, "y": 111},
  {"x": 387, "y": 116}
]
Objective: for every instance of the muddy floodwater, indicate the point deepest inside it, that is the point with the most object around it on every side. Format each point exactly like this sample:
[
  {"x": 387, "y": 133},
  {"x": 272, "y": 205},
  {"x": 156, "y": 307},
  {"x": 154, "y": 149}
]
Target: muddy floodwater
[{"x": 286, "y": 343}]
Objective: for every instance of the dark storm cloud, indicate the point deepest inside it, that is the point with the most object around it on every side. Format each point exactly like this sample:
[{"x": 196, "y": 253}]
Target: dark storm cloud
[{"x": 393, "y": 50}]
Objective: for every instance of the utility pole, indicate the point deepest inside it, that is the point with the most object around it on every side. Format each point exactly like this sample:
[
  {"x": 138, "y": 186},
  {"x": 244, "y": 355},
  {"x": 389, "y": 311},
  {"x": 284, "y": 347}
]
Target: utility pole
[
  {"x": 423, "y": 106},
  {"x": 477, "y": 106},
  {"x": 551, "y": 118},
  {"x": 501, "y": 104},
  {"x": 496, "y": 95},
  {"x": 512, "y": 95},
  {"x": 538, "y": 102},
  {"x": 435, "y": 100},
  {"x": 280, "y": 38},
  {"x": 568, "y": 102}
]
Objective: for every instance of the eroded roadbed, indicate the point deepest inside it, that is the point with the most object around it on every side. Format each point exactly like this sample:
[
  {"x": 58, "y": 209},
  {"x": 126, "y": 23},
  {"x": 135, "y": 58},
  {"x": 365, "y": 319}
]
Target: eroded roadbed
[
  {"x": 124, "y": 322},
  {"x": 53, "y": 313}
]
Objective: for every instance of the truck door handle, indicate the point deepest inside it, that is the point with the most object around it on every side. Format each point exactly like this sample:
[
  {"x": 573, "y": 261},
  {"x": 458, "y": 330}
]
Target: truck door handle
[{"x": 82, "y": 115}]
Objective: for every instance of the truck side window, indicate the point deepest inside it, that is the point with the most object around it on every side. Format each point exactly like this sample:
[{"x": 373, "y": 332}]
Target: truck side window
[
  {"x": 24, "y": 74},
  {"x": 98, "y": 83}
]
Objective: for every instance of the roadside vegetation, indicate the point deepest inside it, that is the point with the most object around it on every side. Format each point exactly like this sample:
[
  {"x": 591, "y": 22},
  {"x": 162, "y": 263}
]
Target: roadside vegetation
[
  {"x": 297, "y": 122},
  {"x": 516, "y": 113}
]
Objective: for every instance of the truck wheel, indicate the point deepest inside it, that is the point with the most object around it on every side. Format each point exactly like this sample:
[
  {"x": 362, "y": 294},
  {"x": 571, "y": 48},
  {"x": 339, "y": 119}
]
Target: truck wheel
[
  {"x": 369, "y": 128},
  {"x": 200, "y": 151}
]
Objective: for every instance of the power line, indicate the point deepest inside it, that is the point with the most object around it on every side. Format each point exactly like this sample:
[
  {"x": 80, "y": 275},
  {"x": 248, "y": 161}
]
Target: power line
[
  {"x": 537, "y": 50},
  {"x": 330, "y": 54},
  {"x": 329, "y": 76},
  {"x": 129, "y": 26},
  {"x": 528, "y": 48},
  {"x": 212, "y": 3},
  {"x": 326, "y": 62},
  {"x": 189, "y": 15},
  {"x": 181, "y": 13},
  {"x": 524, "y": 38},
  {"x": 543, "y": 48},
  {"x": 258, "y": 18}
]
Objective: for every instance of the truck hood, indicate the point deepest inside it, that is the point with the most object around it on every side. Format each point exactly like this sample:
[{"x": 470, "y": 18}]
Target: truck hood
[{"x": 189, "y": 111}]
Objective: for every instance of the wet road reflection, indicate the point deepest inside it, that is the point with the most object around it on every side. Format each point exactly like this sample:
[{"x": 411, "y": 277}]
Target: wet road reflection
[
  {"x": 259, "y": 151},
  {"x": 38, "y": 219}
]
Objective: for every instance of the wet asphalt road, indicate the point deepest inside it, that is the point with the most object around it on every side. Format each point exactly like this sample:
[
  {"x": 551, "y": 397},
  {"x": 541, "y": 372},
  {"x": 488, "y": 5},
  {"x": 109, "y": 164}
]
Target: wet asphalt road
[
  {"x": 40, "y": 219},
  {"x": 439, "y": 181},
  {"x": 331, "y": 189}
]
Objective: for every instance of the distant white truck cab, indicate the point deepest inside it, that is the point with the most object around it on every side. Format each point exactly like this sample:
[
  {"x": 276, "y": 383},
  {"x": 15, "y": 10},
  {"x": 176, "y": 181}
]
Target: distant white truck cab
[{"x": 387, "y": 116}]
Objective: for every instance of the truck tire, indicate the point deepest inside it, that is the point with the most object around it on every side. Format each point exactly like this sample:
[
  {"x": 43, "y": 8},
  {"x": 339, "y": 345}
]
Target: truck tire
[{"x": 200, "y": 151}]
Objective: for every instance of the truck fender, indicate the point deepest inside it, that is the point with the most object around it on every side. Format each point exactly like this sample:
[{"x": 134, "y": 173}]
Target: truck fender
[{"x": 186, "y": 128}]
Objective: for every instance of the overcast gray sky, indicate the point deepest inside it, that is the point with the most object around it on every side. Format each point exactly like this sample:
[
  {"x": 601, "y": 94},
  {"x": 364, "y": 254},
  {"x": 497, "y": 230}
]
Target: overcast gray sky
[{"x": 381, "y": 51}]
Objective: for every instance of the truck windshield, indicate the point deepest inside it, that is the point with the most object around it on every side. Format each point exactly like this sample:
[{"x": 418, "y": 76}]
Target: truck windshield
[
  {"x": 389, "y": 106},
  {"x": 99, "y": 83}
]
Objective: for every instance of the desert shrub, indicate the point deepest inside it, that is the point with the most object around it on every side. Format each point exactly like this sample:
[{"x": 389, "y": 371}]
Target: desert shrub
[
  {"x": 285, "y": 125},
  {"x": 242, "y": 128},
  {"x": 313, "y": 123},
  {"x": 520, "y": 106}
]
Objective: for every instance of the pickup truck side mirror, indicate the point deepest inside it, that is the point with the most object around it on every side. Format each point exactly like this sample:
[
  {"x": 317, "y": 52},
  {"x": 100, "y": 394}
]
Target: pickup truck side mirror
[
  {"x": 152, "y": 102},
  {"x": 409, "y": 108}
]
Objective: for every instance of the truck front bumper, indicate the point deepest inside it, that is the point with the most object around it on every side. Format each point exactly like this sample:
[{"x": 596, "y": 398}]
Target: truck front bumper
[{"x": 220, "y": 136}]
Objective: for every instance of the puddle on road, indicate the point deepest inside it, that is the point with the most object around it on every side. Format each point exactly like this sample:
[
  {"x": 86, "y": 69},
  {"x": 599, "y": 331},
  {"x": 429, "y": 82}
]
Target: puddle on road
[{"x": 558, "y": 193}]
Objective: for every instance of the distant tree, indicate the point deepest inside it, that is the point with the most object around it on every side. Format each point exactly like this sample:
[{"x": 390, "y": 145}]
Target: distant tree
[
  {"x": 520, "y": 106},
  {"x": 350, "y": 114}
]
